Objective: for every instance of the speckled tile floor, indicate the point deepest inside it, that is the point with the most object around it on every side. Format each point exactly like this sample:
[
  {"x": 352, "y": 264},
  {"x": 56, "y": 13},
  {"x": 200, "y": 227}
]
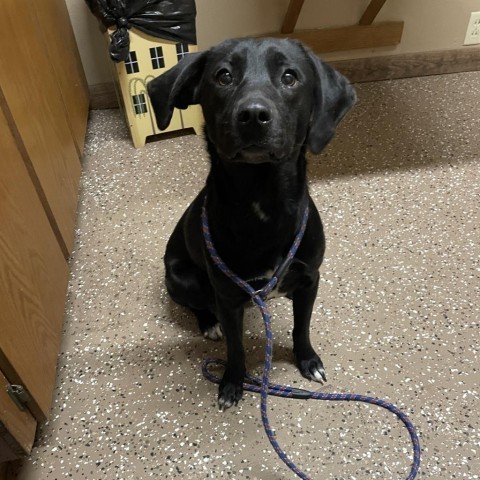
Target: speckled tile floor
[{"x": 397, "y": 314}]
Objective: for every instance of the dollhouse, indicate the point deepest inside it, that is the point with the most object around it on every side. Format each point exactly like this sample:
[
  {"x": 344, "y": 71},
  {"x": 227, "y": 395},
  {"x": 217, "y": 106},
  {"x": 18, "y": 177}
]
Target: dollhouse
[{"x": 149, "y": 57}]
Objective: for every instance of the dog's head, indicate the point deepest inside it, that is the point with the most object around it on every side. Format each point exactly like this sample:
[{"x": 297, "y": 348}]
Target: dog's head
[{"x": 262, "y": 99}]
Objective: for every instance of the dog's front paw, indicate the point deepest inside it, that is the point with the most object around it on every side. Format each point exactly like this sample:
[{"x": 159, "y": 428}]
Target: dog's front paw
[
  {"x": 312, "y": 368},
  {"x": 229, "y": 393}
]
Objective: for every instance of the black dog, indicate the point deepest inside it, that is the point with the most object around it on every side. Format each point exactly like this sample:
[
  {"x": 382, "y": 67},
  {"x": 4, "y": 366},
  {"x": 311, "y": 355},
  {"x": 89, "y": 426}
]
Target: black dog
[{"x": 264, "y": 102}]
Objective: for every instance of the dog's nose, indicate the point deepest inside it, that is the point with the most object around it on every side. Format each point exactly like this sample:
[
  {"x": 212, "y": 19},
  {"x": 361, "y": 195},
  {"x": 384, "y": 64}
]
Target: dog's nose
[{"x": 254, "y": 113}]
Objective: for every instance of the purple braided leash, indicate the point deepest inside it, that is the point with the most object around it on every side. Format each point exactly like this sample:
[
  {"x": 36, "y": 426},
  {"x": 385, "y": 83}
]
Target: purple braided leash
[{"x": 263, "y": 386}]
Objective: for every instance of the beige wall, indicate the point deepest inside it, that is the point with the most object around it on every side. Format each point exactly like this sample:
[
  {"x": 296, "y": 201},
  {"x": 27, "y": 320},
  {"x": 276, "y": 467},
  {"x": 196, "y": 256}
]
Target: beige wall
[{"x": 429, "y": 25}]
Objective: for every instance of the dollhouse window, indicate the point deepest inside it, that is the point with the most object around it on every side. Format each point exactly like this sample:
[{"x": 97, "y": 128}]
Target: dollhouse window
[
  {"x": 139, "y": 104},
  {"x": 156, "y": 54},
  {"x": 131, "y": 64},
  {"x": 182, "y": 50}
]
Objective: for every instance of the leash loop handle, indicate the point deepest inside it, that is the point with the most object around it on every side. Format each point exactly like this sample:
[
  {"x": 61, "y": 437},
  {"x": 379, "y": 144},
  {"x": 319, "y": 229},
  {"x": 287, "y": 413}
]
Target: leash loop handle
[{"x": 253, "y": 384}]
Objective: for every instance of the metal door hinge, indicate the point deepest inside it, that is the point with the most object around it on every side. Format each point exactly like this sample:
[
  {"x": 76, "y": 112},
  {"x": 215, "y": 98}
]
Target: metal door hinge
[{"x": 19, "y": 395}]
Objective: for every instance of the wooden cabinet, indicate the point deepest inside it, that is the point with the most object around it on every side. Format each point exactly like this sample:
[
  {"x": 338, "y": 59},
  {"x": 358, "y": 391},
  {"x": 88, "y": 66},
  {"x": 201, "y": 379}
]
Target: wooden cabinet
[
  {"x": 43, "y": 116},
  {"x": 44, "y": 88}
]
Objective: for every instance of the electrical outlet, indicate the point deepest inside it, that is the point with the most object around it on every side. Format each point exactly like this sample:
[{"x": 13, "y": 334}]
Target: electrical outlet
[{"x": 472, "y": 36}]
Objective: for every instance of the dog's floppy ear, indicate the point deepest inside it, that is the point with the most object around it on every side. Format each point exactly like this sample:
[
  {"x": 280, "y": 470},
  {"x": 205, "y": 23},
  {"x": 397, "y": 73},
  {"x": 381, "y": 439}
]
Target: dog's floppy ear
[
  {"x": 176, "y": 88},
  {"x": 333, "y": 99}
]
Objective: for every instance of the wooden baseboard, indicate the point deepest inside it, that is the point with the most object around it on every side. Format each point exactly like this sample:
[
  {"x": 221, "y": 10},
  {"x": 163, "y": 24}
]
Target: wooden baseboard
[
  {"x": 103, "y": 96},
  {"x": 407, "y": 65},
  {"x": 358, "y": 70}
]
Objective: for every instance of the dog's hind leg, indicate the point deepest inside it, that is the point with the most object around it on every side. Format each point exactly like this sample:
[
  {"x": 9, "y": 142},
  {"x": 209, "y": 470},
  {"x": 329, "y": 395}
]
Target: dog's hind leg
[
  {"x": 189, "y": 286},
  {"x": 208, "y": 324}
]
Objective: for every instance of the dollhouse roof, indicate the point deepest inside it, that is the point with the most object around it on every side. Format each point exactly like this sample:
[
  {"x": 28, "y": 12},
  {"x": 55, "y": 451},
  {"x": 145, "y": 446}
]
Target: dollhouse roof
[{"x": 169, "y": 19}]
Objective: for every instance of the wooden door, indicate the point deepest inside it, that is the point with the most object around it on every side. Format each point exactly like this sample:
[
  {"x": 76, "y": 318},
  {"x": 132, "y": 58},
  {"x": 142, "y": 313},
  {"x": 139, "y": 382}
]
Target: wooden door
[
  {"x": 33, "y": 281},
  {"x": 65, "y": 60},
  {"x": 35, "y": 108}
]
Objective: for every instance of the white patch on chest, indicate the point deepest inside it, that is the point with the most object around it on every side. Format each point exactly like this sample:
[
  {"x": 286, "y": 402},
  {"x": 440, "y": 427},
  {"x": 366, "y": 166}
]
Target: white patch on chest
[
  {"x": 259, "y": 212},
  {"x": 276, "y": 292}
]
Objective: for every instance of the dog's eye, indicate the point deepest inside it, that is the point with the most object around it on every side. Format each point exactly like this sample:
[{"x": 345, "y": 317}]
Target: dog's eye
[
  {"x": 289, "y": 78},
  {"x": 224, "y": 77}
]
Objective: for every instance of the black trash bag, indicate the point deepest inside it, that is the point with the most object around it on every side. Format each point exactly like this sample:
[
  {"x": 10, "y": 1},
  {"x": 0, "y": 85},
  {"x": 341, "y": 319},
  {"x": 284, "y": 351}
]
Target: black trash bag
[{"x": 170, "y": 19}]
